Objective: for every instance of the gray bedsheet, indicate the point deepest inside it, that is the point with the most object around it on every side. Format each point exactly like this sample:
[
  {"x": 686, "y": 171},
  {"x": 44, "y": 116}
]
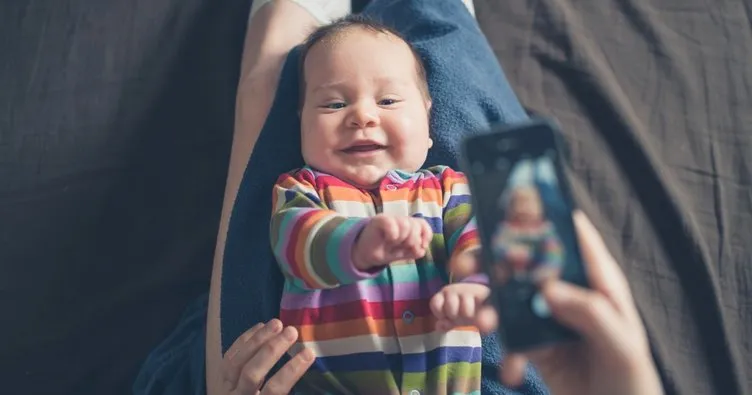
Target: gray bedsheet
[{"x": 655, "y": 96}]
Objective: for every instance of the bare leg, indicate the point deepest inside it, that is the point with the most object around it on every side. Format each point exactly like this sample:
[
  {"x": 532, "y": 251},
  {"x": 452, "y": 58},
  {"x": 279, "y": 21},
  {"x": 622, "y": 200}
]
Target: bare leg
[{"x": 273, "y": 31}]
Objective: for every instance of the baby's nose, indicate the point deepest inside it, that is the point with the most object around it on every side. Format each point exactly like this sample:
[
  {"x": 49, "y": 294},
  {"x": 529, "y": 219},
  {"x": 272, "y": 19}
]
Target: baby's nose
[{"x": 363, "y": 117}]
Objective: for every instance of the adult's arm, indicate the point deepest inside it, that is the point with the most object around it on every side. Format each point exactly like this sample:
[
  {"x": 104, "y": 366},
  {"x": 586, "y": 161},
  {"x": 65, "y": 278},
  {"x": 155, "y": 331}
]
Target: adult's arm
[{"x": 275, "y": 30}]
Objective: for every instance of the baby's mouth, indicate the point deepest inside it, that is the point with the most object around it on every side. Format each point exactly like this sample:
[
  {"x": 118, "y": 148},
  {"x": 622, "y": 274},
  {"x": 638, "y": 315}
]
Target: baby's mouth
[{"x": 364, "y": 148}]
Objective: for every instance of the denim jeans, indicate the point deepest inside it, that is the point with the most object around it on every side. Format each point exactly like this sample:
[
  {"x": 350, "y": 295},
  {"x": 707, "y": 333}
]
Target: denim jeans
[{"x": 470, "y": 94}]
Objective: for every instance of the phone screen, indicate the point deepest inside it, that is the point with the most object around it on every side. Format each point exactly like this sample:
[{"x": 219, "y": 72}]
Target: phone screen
[{"x": 523, "y": 207}]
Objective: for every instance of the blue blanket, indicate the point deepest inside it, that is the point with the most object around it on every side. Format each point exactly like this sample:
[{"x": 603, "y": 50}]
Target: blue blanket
[{"x": 470, "y": 93}]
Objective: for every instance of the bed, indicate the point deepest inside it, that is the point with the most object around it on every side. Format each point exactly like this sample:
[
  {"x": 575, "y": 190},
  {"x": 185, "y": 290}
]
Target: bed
[{"x": 99, "y": 259}]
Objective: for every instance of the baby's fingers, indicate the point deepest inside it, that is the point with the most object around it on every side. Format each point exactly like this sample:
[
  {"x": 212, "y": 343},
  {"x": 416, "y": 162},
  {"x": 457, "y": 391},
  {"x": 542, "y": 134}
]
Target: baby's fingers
[
  {"x": 405, "y": 229},
  {"x": 426, "y": 234},
  {"x": 415, "y": 240},
  {"x": 464, "y": 316},
  {"x": 390, "y": 228},
  {"x": 487, "y": 319},
  {"x": 445, "y": 325},
  {"x": 437, "y": 306},
  {"x": 451, "y": 305},
  {"x": 403, "y": 254},
  {"x": 467, "y": 308}
]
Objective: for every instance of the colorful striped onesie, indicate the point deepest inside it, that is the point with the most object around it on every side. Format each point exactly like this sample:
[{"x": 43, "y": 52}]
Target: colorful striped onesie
[
  {"x": 373, "y": 332},
  {"x": 544, "y": 249}
]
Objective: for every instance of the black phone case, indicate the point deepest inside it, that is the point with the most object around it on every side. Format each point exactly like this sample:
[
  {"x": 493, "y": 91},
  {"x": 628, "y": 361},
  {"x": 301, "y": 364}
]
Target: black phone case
[{"x": 521, "y": 328}]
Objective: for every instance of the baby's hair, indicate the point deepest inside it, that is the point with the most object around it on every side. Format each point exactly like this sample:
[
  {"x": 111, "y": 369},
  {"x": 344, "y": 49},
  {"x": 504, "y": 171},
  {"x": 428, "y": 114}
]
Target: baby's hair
[{"x": 342, "y": 25}]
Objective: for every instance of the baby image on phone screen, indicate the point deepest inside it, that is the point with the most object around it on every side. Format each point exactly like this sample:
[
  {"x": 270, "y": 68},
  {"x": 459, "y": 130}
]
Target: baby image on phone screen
[{"x": 525, "y": 244}]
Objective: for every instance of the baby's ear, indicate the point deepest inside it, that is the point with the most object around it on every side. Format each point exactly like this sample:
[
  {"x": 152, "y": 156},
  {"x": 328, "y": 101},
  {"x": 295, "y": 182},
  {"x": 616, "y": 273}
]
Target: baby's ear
[
  {"x": 430, "y": 142},
  {"x": 429, "y": 103}
]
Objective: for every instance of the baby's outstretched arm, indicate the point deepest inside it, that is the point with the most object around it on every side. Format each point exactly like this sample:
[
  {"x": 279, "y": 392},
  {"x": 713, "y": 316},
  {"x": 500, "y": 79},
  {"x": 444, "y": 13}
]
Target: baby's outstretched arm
[
  {"x": 319, "y": 248},
  {"x": 457, "y": 304},
  {"x": 386, "y": 239},
  {"x": 312, "y": 243}
]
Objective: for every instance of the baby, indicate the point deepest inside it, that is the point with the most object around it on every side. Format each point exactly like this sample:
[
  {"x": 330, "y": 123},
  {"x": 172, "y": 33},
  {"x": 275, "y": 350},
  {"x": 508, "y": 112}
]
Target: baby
[
  {"x": 364, "y": 236},
  {"x": 526, "y": 242}
]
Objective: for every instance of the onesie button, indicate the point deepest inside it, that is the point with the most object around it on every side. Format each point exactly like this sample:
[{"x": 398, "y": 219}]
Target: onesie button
[
  {"x": 391, "y": 187},
  {"x": 414, "y": 392},
  {"x": 408, "y": 317}
]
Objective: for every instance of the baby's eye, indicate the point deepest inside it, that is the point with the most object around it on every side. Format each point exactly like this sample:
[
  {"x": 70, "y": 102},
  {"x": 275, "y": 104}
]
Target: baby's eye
[
  {"x": 387, "y": 102},
  {"x": 334, "y": 105}
]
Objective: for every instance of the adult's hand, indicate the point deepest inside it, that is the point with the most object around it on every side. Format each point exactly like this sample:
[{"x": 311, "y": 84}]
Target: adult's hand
[
  {"x": 613, "y": 356},
  {"x": 248, "y": 361}
]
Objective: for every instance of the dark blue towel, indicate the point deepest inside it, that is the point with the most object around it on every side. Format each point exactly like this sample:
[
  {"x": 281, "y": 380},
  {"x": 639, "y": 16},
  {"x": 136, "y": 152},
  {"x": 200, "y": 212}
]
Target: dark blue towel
[{"x": 470, "y": 93}]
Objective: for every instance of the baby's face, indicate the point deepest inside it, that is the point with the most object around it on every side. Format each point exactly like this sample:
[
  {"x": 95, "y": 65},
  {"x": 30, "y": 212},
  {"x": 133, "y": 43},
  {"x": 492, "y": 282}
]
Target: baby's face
[
  {"x": 364, "y": 112},
  {"x": 526, "y": 205}
]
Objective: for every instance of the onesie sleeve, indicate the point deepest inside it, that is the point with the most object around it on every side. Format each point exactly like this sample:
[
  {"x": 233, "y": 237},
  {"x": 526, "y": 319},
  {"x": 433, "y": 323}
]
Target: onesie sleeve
[
  {"x": 312, "y": 243},
  {"x": 460, "y": 229}
]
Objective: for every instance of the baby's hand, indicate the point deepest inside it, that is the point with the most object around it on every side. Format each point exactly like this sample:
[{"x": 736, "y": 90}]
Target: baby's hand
[
  {"x": 457, "y": 304},
  {"x": 388, "y": 238}
]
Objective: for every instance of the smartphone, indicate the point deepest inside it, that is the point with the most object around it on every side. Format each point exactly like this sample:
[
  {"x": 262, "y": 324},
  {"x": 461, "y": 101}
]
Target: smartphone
[{"x": 523, "y": 207}]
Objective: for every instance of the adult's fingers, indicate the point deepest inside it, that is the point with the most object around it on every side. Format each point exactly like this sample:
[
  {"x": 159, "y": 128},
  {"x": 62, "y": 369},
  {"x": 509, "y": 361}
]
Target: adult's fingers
[
  {"x": 256, "y": 369},
  {"x": 245, "y": 348},
  {"x": 604, "y": 273},
  {"x": 283, "y": 381},
  {"x": 242, "y": 340},
  {"x": 588, "y": 312},
  {"x": 513, "y": 370}
]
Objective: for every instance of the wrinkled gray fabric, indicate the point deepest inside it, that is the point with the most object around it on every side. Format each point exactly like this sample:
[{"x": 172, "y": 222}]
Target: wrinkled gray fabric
[{"x": 655, "y": 97}]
